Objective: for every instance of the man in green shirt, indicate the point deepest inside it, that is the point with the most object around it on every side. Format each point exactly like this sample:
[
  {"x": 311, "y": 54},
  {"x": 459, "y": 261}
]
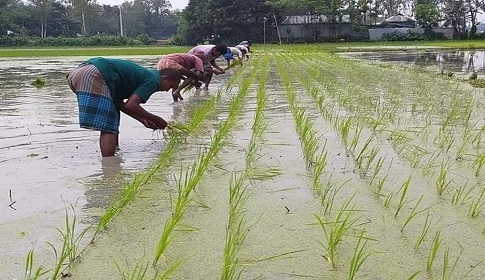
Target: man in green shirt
[{"x": 103, "y": 84}]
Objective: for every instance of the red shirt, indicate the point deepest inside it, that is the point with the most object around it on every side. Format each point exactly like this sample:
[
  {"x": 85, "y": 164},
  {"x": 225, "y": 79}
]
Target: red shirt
[{"x": 188, "y": 61}]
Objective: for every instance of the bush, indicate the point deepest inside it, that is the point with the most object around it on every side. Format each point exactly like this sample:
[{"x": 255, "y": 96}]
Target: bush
[
  {"x": 13, "y": 41},
  {"x": 398, "y": 36}
]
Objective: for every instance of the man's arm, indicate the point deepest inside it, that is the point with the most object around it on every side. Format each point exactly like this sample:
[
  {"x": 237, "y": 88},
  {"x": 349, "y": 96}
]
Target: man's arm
[
  {"x": 214, "y": 64},
  {"x": 133, "y": 109}
]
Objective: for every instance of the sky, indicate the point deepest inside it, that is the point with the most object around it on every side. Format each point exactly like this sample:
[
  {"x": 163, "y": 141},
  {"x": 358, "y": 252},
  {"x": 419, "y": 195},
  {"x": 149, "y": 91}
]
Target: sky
[{"x": 176, "y": 4}]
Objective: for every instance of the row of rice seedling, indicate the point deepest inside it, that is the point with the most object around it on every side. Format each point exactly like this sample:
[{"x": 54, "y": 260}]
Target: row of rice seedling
[
  {"x": 402, "y": 190},
  {"x": 193, "y": 176},
  {"x": 237, "y": 230},
  {"x": 445, "y": 159},
  {"x": 345, "y": 221}
]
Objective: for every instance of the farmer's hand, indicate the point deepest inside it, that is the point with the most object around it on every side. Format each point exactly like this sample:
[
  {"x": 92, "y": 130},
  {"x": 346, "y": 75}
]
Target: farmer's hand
[
  {"x": 156, "y": 123},
  {"x": 160, "y": 123},
  {"x": 148, "y": 123}
]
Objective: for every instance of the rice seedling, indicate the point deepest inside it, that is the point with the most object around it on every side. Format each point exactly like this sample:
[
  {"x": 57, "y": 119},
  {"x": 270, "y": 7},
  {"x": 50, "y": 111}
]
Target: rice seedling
[
  {"x": 447, "y": 141},
  {"x": 388, "y": 200},
  {"x": 478, "y": 164},
  {"x": 39, "y": 82},
  {"x": 370, "y": 158},
  {"x": 424, "y": 231},
  {"x": 236, "y": 232},
  {"x": 318, "y": 168},
  {"x": 461, "y": 152},
  {"x": 363, "y": 151},
  {"x": 137, "y": 273},
  {"x": 185, "y": 186},
  {"x": 402, "y": 199},
  {"x": 359, "y": 256},
  {"x": 433, "y": 251},
  {"x": 335, "y": 231},
  {"x": 461, "y": 194},
  {"x": 477, "y": 140},
  {"x": 414, "y": 275},
  {"x": 178, "y": 128},
  {"x": 344, "y": 128},
  {"x": 328, "y": 194},
  {"x": 377, "y": 169},
  {"x": 441, "y": 182},
  {"x": 447, "y": 271},
  {"x": 477, "y": 205},
  {"x": 430, "y": 164},
  {"x": 194, "y": 174},
  {"x": 30, "y": 273},
  {"x": 234, "y": 64},
  {"x": 380, "y": 185},
  {"x": 355, "y": 138}
]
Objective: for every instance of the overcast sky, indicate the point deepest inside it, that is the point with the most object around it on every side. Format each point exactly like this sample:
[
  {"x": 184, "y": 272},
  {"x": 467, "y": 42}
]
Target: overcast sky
[{"x": 176, "y": 4}]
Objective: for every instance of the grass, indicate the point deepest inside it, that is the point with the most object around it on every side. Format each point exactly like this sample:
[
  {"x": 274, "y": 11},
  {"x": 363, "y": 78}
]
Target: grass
[{"x": 90, "y": 51}]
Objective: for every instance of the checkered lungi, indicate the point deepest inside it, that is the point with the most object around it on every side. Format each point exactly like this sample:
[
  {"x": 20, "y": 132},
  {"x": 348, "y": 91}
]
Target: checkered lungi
[{"x": 97, "y": 109}]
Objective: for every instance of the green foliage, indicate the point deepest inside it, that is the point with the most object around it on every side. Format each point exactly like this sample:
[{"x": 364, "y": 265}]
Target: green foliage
[
  {"x": 39, "y": 82},
  {"x": 398, "y": 36},
  {"x": 10, "y": 41},
  {"x": 427, "y": 14}
]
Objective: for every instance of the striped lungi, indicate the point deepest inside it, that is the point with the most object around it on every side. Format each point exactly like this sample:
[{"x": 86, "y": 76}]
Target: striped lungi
[{"x": 97, "y": 109}]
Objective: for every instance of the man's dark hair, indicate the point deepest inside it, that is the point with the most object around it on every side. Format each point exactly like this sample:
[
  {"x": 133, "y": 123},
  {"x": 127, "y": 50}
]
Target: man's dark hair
[
  {"x": 170, "y": 73},
  {"x": 221, "y": 48}
]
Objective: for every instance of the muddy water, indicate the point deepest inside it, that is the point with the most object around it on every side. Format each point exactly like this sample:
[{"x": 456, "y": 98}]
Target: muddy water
[
  {"x": 48, "y": 163},
  {"x": 460, "y": 62}
]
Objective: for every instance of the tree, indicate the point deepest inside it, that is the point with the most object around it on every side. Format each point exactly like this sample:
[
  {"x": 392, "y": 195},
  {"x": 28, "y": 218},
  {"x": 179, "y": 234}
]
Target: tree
[
  {"x": 427, "y": 14},
  {"x": 454, "y": 15},
  {"x": 229, "y": 21},
  {"x": 159, "y": 20},
  {"x": 44, "y": 8}
]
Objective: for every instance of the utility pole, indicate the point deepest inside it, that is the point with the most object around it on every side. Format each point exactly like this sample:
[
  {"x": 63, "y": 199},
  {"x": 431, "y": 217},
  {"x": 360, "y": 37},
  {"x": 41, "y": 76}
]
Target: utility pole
[
  {"x": 264, "y": 30},
  {"x": 277, "y": 28},
  {"x": 121, "y": 21}
]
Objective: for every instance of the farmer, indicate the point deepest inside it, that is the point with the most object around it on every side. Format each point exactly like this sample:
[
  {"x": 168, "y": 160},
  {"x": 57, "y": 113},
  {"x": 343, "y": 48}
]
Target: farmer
[
  {"x": 231, "y": 55},
  {"x": 210, "y": 66},
  {"x": 244, "y": 51},
  {"x": 103, "y": 84},
  {"x": 190, "y": 66},
  {"x": 246, "y": 44}
]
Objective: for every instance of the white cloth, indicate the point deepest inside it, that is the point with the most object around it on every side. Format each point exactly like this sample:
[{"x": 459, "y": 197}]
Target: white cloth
[{"x": 236, "y": 52}]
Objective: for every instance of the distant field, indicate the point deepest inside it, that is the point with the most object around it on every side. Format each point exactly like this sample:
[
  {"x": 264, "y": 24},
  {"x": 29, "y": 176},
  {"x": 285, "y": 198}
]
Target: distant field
[
  {"x": 90, "y": 51},
  {"x": 148, "y": 50}
]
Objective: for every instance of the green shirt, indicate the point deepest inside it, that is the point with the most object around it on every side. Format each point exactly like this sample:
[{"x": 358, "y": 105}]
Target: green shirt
[{"x": 124, "y": 78}]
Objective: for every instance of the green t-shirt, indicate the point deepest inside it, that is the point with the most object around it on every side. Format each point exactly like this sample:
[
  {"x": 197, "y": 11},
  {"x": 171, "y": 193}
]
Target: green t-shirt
[{"x": 124, "y": 78}]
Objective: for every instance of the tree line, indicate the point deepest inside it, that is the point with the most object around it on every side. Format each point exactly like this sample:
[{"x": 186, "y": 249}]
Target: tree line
[{"x": 217, "y": 20}]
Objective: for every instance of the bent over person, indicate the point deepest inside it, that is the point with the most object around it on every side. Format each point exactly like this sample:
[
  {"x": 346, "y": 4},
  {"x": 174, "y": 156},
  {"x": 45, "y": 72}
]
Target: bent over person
[
  {"x": 190, "y": 67},
  {"x": 210, "y": 66},
  {"x": 103, "y": 84}
]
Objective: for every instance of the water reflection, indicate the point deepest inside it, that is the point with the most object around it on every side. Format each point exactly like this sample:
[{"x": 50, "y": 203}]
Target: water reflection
[{"x": 442, "y": 60}]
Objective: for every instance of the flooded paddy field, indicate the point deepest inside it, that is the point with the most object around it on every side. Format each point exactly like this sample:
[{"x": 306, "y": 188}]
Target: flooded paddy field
[
  {"x": 48, "y": 163},
  {"x": 459, "y": 62},
  {"x": 301, "y": 166}
]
